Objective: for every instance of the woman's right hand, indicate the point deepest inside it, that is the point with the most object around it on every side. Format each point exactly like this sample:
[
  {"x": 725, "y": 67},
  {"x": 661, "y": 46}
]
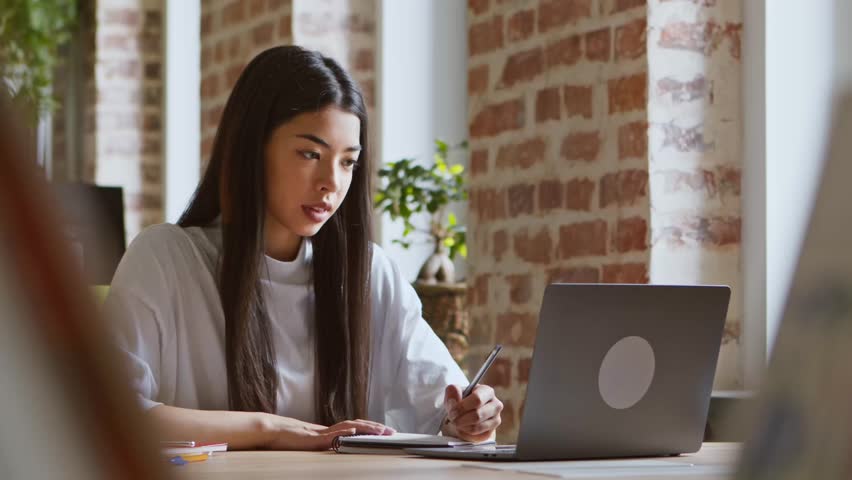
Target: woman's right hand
[{"x": 291, "y": 434}]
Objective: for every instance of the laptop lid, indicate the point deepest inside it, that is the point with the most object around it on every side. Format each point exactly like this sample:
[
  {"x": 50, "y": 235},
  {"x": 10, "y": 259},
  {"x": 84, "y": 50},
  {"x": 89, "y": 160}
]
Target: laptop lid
[
  {"x": 621, "y": 370},
  {"x": 94, "y": 222}
]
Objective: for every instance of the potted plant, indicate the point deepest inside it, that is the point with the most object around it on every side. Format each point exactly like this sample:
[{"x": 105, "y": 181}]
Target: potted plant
[{"x": 408, "y": 189}]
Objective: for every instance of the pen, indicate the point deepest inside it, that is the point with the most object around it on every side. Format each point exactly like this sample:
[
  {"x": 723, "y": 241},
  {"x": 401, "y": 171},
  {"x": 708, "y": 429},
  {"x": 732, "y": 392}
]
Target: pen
[
  {"x": 184, "y": 459},
  {"x": 476, "y": 378}
]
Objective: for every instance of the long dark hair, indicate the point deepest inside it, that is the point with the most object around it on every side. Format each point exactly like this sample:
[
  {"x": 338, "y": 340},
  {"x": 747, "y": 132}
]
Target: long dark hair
[{"x": 275, "y": 86}]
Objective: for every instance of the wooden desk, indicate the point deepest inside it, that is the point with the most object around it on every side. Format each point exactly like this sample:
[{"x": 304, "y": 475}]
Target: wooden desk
[{"x": 335, "y": 466}]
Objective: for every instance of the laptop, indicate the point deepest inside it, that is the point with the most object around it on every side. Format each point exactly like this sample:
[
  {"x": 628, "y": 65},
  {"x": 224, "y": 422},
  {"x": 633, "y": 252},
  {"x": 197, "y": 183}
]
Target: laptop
[
  {"x": 94, "y": 224},
  {"x": 617, "y": 371}
]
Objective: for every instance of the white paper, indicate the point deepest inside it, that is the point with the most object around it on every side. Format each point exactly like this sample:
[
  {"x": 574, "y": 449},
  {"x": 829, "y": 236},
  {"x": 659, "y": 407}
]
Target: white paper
[{"x": 616, "y": 463}]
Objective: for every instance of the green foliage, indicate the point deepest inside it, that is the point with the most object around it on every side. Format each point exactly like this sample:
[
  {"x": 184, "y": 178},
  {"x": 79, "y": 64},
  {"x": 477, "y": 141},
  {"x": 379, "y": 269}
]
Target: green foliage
[
  {"x": 408, "y": 188},
  {"x": 31, "y": 32}
]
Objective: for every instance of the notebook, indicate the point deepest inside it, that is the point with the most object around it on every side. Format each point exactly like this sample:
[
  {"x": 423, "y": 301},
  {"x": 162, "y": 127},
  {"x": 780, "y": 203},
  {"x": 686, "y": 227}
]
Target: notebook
[
  {"x": 191, "y": 448},
  {"x": 396, "y": 443}
]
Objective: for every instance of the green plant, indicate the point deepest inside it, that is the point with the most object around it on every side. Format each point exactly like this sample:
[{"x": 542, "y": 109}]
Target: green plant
[
  {"x": 409, "y": 188},
  {"x": 31, "y": 32}
]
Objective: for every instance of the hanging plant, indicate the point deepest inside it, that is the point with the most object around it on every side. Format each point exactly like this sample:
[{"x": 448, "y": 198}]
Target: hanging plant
[{"x": 31, "y": 32}]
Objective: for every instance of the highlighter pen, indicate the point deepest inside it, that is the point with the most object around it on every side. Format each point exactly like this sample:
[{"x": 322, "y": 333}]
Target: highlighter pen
[
  {"x": 476, "y": 378},
  {"x": 188, "y": 458}
]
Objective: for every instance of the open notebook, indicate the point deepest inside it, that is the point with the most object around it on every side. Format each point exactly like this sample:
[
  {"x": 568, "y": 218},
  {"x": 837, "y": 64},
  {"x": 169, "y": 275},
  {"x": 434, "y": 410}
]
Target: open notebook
[
  {"x": 190, "y": 447},
  {"x": 396, "y": 443}
]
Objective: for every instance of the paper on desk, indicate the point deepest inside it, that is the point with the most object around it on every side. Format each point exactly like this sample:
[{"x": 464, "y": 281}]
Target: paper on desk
[
  {"x": 594, "y": 469},
  {"x": 616, "y": 463}
]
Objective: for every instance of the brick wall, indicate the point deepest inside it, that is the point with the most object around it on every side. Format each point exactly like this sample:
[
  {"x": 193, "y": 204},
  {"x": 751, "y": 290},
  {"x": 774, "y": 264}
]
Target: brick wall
[
  {"x": 559, "y": 166},
  {"x": 233, "y": 32},
  {"x": 344, "y": 30},
  {"x": 695, "y": 154},
  {"x": 123, "y": 105}
]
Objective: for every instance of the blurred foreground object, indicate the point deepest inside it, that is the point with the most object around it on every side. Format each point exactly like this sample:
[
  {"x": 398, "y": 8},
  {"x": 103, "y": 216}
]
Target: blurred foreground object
[
  {"x": 804, "y": 422},
  {"x": 64, "y": 409}
]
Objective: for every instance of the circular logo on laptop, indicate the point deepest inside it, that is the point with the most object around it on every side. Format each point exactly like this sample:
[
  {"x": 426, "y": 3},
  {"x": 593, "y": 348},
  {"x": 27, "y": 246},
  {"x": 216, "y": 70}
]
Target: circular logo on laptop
[{"x": 626, "y": 372}]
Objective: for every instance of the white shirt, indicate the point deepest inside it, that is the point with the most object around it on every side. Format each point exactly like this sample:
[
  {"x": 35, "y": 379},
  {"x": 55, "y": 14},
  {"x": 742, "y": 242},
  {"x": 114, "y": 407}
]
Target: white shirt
[{"x": 169, "y": 322}]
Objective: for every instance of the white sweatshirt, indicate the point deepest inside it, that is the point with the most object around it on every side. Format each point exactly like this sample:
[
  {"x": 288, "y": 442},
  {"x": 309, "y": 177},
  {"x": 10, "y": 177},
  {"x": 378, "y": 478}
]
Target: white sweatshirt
[{"x": 169, "y": 322}]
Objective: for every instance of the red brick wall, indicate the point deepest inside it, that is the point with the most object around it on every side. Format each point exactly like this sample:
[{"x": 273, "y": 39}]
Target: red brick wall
[
  {"x": 232, "y": 33},
  {"x": 122, "y": 104},
  {"x": 559, "y": 170},
  {"x": 344, "y": 30}
]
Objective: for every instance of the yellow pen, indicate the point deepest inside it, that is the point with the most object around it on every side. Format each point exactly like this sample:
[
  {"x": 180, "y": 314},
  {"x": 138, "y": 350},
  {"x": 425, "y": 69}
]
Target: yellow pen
[
  {"x": 195, "y": 457},
  {"x": 184, "y": 459}
]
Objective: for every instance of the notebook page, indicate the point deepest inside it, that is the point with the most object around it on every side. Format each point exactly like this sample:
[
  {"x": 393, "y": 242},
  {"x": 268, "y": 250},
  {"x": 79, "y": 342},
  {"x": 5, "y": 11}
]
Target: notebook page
[{"x": 406, "y": 439}]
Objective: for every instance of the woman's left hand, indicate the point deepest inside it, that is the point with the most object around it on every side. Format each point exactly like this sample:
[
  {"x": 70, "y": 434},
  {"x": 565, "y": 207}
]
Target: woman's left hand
[{"x": 474, "y": 418}]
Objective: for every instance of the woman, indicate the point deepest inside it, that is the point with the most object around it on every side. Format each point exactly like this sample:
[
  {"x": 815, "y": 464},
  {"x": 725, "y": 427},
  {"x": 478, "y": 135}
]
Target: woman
[{"x": 266, "y": 318}]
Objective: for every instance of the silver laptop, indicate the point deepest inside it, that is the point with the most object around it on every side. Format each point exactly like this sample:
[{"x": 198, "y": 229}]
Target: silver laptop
[{"x": 617, "y": 371}]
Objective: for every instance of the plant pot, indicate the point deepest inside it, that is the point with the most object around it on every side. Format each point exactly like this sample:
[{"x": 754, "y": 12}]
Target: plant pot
[
  {"x": 438, "y": 268},
  {"x": 445, "y": 310}
]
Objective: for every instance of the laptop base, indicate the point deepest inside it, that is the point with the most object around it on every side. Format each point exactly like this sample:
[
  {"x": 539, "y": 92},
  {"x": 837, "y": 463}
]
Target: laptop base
[{"x": 506, "y": 453}]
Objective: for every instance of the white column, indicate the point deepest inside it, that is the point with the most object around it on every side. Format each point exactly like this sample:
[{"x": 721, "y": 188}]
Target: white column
[{"x": 182, "y": 104}]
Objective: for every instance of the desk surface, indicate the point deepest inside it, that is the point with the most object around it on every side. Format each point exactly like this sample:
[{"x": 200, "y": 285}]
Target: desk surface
[{"x": 330, "y": 465}]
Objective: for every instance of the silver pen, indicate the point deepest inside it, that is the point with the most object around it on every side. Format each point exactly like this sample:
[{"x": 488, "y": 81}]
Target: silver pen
[{"x": 476, "y": 378}]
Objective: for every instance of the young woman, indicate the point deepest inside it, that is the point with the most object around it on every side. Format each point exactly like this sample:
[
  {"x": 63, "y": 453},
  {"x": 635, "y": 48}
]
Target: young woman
[{"x": 266, "y": 318}]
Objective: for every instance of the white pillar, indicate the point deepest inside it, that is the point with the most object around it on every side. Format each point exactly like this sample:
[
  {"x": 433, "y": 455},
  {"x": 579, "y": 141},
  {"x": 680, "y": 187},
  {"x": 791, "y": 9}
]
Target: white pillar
[{"x": 182, "y": 104}]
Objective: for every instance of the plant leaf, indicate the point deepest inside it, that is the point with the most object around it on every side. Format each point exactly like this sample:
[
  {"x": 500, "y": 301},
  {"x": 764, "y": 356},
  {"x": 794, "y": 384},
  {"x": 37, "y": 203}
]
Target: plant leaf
[
  {"x": 441, "y": 146},
  {"x": 440, "y": 163}
]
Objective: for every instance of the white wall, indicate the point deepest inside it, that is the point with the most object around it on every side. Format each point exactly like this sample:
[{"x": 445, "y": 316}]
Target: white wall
[
  {"x": 422, "y": 93},
  {"x": 182, "y": 104},
  {"x": 800, "y": 65}
]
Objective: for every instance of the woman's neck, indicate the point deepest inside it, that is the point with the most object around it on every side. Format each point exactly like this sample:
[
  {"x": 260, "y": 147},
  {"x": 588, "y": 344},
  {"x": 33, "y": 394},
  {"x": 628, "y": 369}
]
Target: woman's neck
[{"x": 282, "y": 246}]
